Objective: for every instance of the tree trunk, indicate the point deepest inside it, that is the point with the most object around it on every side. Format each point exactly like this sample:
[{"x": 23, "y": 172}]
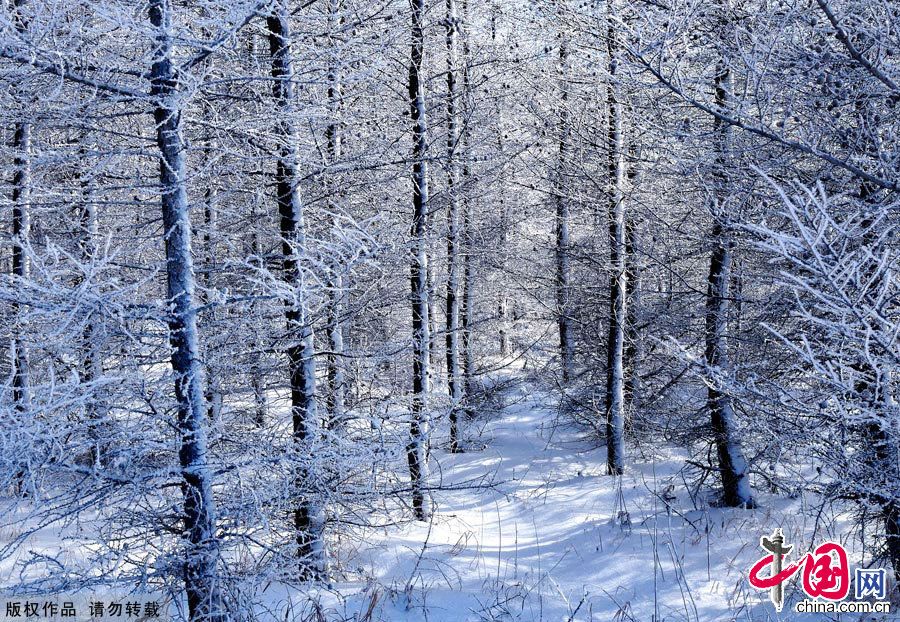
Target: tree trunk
[
  {"x": 503, "y": 304},
  {"x": 466, "y": 311},
  {"x": 454, "y": 379},
  {"x": 200, "y": 569},
  {"x": 308, "y": 517},
  {"x": 874, "y": 385},
  {"x": 467, "y": 306},
  {"x": 634, "y": 345},
  {"x": 732, "y": 465},
  {"x": 92, "y": 334},
  {"x": 21, "y": 226},
  {"x": 214, "y": 394},
  {"x": 333, "y": 142},
  {"x": 420, "y": 294},
  {"x": 257, "y": 378},
  {"x": 615, "y": 347},
  {"x": 563, "y": 241}
]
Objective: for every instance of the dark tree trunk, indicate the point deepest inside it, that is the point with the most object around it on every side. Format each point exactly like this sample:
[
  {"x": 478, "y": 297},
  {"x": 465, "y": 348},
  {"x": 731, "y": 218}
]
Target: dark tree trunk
[
  {"x": 454, "y": 376},
  {"x": 92, "y": 335},
  {"x": 420, "y": 293},
  {"x": 467, "y": 305},
  {"x": 634, "y": 344},
  {"x": 21, "y": 207},
  {"x": 615, "y": 348},
  {"x": 308, "y": 520},
  {"x": 337, "y": 378},
  {"x": 563, "y": 240},
  {"x": 733, "y": 466}
]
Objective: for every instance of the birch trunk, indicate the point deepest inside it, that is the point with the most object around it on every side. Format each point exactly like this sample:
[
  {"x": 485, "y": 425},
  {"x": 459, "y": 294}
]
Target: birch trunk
[
  {"x": 732, "y": 465},
  {"x": 420, "y": 293},
  {"x": 308, "y": 517},
  {"x": 202, "y": 553},
  {"x": 615, "y": 347}
]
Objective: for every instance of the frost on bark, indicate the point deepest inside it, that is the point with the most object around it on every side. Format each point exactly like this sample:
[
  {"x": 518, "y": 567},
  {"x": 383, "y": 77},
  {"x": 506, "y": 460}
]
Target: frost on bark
[
  {"x": 336, "y": 287},
  {"x": 214, "y": 391},
  {"x": 21, "y": 206},
  {"x": 563, "y": 241},
  {"x": 467, "y": 305},
  {"x": 202, "y": 544},
  {"x": 732, "y": 465},
  {"x": 419, "y": 286},
  {"x": 92, "y": 336},
  {"x": 634, "y": 344},
  {"x": 454, "y": 379},
  {"x": 503, "y": 305},
  {"x": 21, "y": 198},
  {"x": 257, "y": 378},
  {"x": 872, "y": 378},
  {"x": 308, "y": 518},
  {"x": 615, "y": 347}
]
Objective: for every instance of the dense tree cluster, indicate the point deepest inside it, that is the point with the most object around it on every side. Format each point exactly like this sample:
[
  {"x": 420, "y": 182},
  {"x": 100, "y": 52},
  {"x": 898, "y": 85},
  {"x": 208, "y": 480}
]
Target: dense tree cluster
[{"x": 261, "y": 257}]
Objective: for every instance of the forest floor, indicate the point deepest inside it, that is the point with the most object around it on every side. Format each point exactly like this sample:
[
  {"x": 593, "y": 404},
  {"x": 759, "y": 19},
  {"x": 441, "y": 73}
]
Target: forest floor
[{"x": 554, "y": 538}]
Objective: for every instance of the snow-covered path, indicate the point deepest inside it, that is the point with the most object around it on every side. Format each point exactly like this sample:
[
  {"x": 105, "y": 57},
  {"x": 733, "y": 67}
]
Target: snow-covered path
[{"x": 552, "y": 537}]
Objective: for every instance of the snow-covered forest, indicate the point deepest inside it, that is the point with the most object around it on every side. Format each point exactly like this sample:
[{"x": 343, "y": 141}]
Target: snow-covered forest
[{"x": 445, "y": 310}]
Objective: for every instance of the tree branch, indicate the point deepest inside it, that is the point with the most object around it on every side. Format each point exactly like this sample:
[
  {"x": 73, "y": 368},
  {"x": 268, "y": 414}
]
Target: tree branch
[
  {"x": 65, "y": 72},
  {"x": 842, "y": 36},
  {"x": 767, "y": 134}
]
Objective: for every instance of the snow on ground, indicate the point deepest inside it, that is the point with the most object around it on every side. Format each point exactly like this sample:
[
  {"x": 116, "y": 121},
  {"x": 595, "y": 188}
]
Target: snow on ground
[{"x": 555, "y": 539}]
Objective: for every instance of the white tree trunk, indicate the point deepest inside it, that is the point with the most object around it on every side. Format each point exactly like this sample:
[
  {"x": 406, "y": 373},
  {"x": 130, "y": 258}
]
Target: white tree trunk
[{"x": 201, "y": 564}]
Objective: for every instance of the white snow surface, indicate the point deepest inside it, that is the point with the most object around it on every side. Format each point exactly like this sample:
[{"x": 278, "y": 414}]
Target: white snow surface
[{"x": 554, "y": 538}]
